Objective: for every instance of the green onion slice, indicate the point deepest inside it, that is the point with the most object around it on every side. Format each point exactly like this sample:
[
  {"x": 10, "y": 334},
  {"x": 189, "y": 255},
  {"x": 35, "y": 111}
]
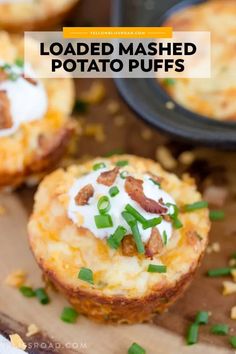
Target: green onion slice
[
  {"x": 19, "y": 62},
  {"x": 137, "y": 238},
  {"x": 152, "y": 223},
  {"x": 122, "y": 163},
  {"x": 129, "y": 218},
  {"x": 155, "y": 182},
  {"x": 217, "y": 215},
  {"x": 115, "y": 239},
  {"x": 113, "y": 191},
  {"x": 103, "y": 221},
  {"x": 220, "y": 329},
  {"x": 86, "y": 274},
  {"x": 157, "y": 268},
  {"x": 202, "y": 317},
  {"x": 232, "y": 341},
  {"x": 165, "y": 238},
  {"x": 169, "y": 82},
  {"x": 192, "y": 336},
  {"x": 219, "y": 272},
  {"x": 104, "y": 205},
  {"x": 69, "y": 315},
  {"x": 177, "y": 224},
  {"x": 80, "y": 106},
  {"x": 98, "y": 166},
  {"x": 136, "y": 349},
  {"x": 42, "y": 296},
  {"x": 135, "y": 214},
  {"x": 195, "y": 206},
  {"x": 124, "y": 174},
  {"x": 27, "y": 291}
]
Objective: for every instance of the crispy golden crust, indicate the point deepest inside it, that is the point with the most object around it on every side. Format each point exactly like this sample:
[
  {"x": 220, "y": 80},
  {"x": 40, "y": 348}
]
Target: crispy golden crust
[
  {"x": 21, "y": 153},
  {"x": 124, "y": 291},
  {"x": 45, "y": 19},
  {"x": 214, "y": 97}
]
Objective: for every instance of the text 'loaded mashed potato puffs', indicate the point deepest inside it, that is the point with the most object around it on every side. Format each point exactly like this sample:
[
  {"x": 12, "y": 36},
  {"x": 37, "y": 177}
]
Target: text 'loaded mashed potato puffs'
[
  {"x": 33, "y": 15},
  {"x": 115, "y": 236},
  {"x": 34, "y": 115},
  {"x": 215, "y": 97}
]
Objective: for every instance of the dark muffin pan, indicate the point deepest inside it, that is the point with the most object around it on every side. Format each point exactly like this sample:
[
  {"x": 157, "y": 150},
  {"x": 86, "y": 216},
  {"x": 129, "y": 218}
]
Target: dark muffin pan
[{"x": 148, "y": 99}]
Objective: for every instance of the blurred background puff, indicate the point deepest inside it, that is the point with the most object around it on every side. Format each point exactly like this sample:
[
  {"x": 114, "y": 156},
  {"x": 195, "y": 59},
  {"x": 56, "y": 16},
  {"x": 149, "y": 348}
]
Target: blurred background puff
[
  {"x": 34, "y": 15},
  {"x": 119, "y": 237},
  {"x": 35, "y": 123}
]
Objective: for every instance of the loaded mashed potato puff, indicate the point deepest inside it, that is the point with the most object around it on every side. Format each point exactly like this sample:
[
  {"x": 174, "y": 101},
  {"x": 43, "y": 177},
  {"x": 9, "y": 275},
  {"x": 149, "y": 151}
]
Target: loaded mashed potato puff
[
  {"x": 119, "y": 237},
  {"x": 33, "y": 15},
  {"x": 34, "y": 116}
]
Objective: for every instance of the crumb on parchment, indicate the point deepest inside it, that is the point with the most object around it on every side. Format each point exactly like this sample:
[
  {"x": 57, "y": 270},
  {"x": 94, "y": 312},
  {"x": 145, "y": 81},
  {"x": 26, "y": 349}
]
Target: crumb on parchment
[
  {"x": 17, "y": 341},
  {"x": 32, "y": 330},
  {"x": 16, "y": 279}
]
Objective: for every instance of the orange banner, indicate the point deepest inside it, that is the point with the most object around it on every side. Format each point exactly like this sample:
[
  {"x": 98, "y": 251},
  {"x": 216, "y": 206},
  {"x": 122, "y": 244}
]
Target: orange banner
[{"x": 117, "y": 32}]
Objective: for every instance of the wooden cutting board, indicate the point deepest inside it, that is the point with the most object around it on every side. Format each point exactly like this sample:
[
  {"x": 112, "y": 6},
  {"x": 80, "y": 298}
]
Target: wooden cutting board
[{"x": 122, "y": 131}]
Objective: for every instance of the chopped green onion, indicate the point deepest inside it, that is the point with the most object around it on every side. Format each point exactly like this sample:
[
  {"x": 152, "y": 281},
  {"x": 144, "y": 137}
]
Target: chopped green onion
[
  {"x": 155, "y": 182},
  {"x": 98, "y": 166},
  {"x": 19, "y": 62},
  {"x": 232, "y": 341},
  {"x": 124, "y": 174},
  {"x": 216, "y": 215},
  {"x": 219, "y": 272},
  {"x": 192, "y": 336},
  {"x": 177, "y": 224},
  {"x": 169, "y": 82},
  {"x": 42, "y": 296},
  {"x": 104, "y": 205},
  {"x": 157, "y": 268},
  {"x": 115, "y": 239},
  {"x": 103, "y": 221},
  {"x": 86, "y": 274},
  {"x": 122, "y": 163},
  {"x": 152, "y": 223},
  {"x": 165, "y": 238},
  {"x": 69, "y": 315},
  {"x": 113, "y": 191},
  {"x": 220, "y": 329},
  {"x": 202, "y": 317},
  {"x": 135, "y": 214},
  {"x": 27, "y": 291},
  {"x": 129, "y": 218},
  {"x": 114, "y": 152},
  {"x": 80, "y": 106},
  {"x": 137, "y": 238},
  {"x": 195, "y": 206},
  {"x": 136, "y": 349},
  {"x": 13, "y": 76},
  {"x": 6, "y": 67}
]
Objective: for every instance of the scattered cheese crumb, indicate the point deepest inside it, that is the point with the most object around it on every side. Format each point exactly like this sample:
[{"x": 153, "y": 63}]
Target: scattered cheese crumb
[
  {"x": 2, "y": 210},
  {"x": 215, "y": 195},
  {"x": 95, "y": 94},
  {"x": 113, "y": 107},
  {"x": 187, "y": 158},
  {"x": 233, "y": 313},
  {"x": 32, "y": 330},
  {"x": 146, "y": 134},
  {"x": 170, "y": 105},
  {"x": 232, "y": 263},
  {"x": 16, "y": 278},
  {"x": 229, "y": 288},
  {"x": 17, "y": 341},
  {"x": 119, "y": 120},
  {"x": 95, "y": 130},
  {"x": 214, "y": 247},
  {"x": 165, "y": 157},
  {"x": 233, "y": 273}
]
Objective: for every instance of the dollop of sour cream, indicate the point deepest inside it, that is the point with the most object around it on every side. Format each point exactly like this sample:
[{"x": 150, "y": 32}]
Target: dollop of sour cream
[
  {"x": 28, "y": 101},
  {"x": 118, "y": 204}
]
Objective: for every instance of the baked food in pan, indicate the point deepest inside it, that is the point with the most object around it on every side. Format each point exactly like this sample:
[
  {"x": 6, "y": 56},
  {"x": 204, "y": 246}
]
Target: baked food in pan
[
  {"x": 31, "y": 15},
  {"x": 34, "y": 115},
  {"x": 214, "y": 97},
  {"x": 112, "y": 236}
]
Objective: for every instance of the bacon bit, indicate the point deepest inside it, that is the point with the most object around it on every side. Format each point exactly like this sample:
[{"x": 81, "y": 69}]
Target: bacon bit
[
  {"x": 84, "y": 195},
  {"x": 32, "y": 330},
  {"x": 5, "y": 112},
  {"x": 215, "y": 196},
  {"x": 154, "y": 244},
  {"x": 17, "y": 341},
  {"x": 193, "y": 238},
  {"x": 233, "y": 313},
  {"x": 30, "y": 80},
  {"x": 108, "y": 178},
  {"x": 134, "y": 188},
  {"x": 16, "y": 279},
  {"x": 229, "y": 288},
  {"x": 3, "y": 75},
  {"x": 128, "y": 246}
]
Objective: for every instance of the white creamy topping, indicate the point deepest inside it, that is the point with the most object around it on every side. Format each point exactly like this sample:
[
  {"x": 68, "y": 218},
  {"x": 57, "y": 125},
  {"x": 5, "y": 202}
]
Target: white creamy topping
[
  {"x": 28, "y": 102},
  {"x": 118, "y": 204}
]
